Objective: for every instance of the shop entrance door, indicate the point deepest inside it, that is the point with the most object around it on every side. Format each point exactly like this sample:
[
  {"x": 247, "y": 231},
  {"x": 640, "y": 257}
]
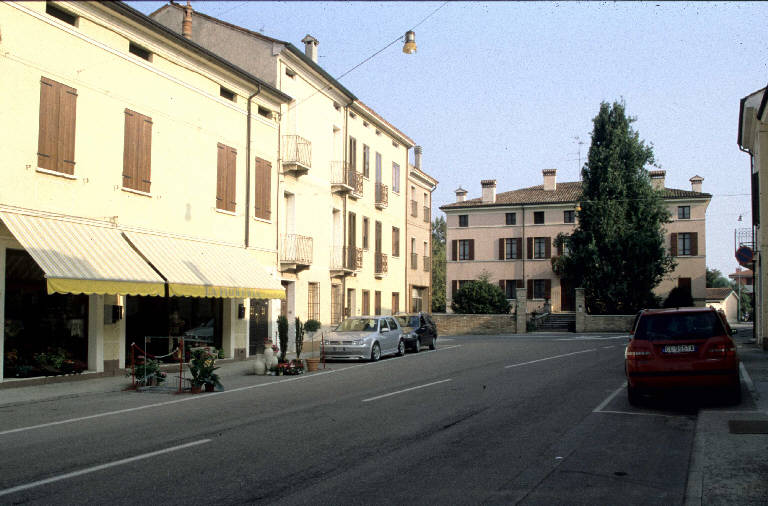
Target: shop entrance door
[{"x": 258, "y": 326}]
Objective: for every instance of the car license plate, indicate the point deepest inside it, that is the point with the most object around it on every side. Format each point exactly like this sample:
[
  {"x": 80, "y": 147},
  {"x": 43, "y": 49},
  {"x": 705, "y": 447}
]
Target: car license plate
[{"x": 679, "y": 348}]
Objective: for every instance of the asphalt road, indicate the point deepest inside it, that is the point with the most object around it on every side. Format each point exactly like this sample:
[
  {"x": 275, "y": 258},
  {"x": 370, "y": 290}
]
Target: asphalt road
[{"x": 495, "y": 420}]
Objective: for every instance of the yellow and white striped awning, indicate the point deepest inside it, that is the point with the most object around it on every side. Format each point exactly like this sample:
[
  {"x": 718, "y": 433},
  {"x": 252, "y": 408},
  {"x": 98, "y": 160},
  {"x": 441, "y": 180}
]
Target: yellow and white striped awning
[
  {"x": 202, "y": 269},
  {"x": 79, "y": 257}
]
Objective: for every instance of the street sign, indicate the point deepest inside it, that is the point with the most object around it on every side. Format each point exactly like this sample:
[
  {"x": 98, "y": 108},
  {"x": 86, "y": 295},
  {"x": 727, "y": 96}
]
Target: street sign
[{"x": 744, "y": 256}]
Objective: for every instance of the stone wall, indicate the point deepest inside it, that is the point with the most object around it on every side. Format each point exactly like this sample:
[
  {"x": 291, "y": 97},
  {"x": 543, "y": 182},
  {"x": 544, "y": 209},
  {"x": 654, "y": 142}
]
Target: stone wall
[
  {"x": 608, "y": 323},
  {"x": 458, "y": 324}
]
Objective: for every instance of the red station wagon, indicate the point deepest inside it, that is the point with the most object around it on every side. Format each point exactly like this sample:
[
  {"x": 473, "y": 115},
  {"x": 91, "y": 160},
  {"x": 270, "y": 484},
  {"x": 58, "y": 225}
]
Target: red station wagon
[{"x": 684, "y": 347}]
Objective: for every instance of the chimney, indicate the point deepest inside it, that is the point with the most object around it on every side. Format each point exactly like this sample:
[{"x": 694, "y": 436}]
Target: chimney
[
  {"x": 461, "y": 194},
  {"x": 417, "y": 157},
  {"x": 489, "y": 190},
  {"x": 696, "y": 183},
  {"x": 310, "y": 47},
  {"x": 657, "y": 178},
  {"x": 186, "y": 25},
  {"x": 550, "y": 179}
]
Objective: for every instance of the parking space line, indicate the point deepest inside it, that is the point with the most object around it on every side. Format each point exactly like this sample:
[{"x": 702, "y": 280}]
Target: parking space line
[
  {"x": 549, "y": 358},
  {"x": 88, "y": 470},
  {"x": 640, "y": 413},
  {"x": 609, "y": 398},
  {"x": 406, "y": 390}
]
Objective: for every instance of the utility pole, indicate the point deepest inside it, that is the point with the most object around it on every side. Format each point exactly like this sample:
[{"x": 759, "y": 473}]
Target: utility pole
[{"x": 580, "y": 143}]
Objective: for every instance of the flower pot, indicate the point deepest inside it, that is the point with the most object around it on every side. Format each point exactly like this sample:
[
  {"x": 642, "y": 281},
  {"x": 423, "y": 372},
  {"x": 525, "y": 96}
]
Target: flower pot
[
  {"x": 313, "y": 364},
  {"x": 195, "y": 389},
  {"x": 209, "y": 387},
  {"x": 260, "y": 365}
]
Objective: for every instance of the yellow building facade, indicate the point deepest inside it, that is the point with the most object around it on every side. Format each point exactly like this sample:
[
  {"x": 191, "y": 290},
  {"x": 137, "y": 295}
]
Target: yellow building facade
[{"x": 139, "y": 173}]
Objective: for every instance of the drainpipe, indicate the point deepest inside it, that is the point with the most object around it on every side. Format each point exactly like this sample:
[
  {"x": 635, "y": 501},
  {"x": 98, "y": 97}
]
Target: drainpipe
[
  {"x": 524, "y": 255},
  {"x": 248, "y": 169}
]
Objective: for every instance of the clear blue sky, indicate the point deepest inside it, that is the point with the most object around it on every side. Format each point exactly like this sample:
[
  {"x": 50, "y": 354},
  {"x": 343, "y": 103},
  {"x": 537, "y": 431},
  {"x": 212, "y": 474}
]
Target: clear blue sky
[{"x": 499, "y": 90}]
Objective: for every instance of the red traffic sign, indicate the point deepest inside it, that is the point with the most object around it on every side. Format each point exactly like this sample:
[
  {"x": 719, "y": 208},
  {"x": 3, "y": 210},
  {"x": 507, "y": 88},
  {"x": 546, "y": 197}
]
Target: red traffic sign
[{"x": 744, "y": 255}]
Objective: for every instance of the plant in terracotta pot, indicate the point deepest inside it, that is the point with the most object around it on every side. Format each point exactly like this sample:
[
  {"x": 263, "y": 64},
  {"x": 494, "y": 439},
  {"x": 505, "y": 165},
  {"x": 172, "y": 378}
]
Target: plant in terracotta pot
[
  {"x": 282, "y": 332},
  {"x": 202, "y": 367}
]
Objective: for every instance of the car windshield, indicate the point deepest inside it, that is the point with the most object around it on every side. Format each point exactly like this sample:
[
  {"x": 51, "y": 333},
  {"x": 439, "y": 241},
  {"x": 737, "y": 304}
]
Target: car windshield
[
  {"x": 678, "y": 326},
  {"x": 408, "y": 321},
  {"x": 357, "y": 325}
]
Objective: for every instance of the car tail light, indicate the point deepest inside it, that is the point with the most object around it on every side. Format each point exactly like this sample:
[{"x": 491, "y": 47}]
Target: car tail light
[
  {"x": 723, "y": 350},
  {"x": 636, "y": 353}
]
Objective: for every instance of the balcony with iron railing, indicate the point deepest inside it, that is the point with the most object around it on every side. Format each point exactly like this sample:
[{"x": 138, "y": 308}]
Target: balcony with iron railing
[
  {"x": 346, "y": 180},
  {"x": 427, "y": 214},
  {"x": 414, "y": 208},
  {"x": 380, "y": 267},
  {"x": 346, "y": 260},
  {"x": 295, "y": 252},
  {"x": 427, "y": 263},
  {"x": 297, "y": 154},
  {"x": 414, "y": 261},
  {"x": 382, "y": 196}
]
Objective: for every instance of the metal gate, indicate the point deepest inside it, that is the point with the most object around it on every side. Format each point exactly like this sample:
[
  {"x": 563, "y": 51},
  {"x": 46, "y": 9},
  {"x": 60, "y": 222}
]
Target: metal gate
[{"x": 258, "y": 326}]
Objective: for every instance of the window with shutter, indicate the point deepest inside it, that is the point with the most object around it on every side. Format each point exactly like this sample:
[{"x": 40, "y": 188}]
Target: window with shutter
[
  {"x": 673, "y": 245},
  {"x": 502, "y": 255},
  {"x": 529, "y": 289},
  {"x": 56, "y": 135},
  {"x": 137, "y": 151},
  {"x": 529, "y": 247},
  {"x": 262, "y": 201},
  {"x": 226, "y": 171},
  {"x": 454, "y": 250},
  {"x": 694, "y": 243}
]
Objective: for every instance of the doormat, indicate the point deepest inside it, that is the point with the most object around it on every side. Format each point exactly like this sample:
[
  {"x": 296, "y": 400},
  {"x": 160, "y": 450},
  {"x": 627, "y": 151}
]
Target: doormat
[{"x": 748, "y": 426}]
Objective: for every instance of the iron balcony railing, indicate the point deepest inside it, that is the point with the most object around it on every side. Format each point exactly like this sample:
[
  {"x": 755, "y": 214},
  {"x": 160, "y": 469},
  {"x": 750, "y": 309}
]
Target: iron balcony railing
[
  {"x": 381, "y": 263},
  {"x": 346, "y": 258},
  {"x": 342, "y": 174},
  {"x": 414, "y": 208},
  {"x": 427, "y": 264},
  {"x": 427, "y": 213},
  {"x": 296, "y": 249},
  {"x": 414, "y": 261},
  {"x": 382, "y": 195},
  {"x": 297, "y": 151}
]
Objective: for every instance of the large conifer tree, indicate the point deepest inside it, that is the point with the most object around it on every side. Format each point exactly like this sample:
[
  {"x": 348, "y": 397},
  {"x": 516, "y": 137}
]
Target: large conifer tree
[{"x": 617, "y": 252}]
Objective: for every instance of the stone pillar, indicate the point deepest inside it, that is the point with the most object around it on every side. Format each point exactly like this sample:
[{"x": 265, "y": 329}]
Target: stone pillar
[
  {"x": 228, "y": 326},
  {"x": 581, "y": 311},
  {"x": 96, "y": 333},
  {"x": 521, "y": 314}
]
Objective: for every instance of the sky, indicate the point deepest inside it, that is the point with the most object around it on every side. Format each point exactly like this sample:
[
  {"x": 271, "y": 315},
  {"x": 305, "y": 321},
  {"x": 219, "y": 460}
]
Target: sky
[{"x": 503, "y": 90}]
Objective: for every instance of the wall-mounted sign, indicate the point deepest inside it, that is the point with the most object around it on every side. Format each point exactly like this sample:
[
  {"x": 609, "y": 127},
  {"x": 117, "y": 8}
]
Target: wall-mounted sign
[{"x": 744, "y": 256}]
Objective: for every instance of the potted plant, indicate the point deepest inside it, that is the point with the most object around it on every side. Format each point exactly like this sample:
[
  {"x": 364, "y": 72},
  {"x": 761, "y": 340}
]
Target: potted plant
[
  {"x": 299, "y": 337},
  {"x": 147, "y": 372},
  {"x": 202, "y": 367},
  {"x": 282, "y": 332}
]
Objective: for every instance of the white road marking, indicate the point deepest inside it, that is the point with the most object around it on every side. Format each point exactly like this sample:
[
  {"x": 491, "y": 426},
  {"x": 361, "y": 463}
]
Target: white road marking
[
  {"x": 747, "y": 379},
  {"x": 639, "y": 413},
  {"x": 206, "y": 396},
  {"x": 607, "y": 347},
  {"x": 592, "y": 338},
  {"x": 550, "y": 358},
  {"x": 88, "y": 470},
  {"x": 609, "y": 398},
  {"x": 406, "y": 390}
]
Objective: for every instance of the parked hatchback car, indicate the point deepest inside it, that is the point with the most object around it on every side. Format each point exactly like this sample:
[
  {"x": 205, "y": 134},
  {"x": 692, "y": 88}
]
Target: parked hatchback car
[
  {"x": 418, "y": 330},
  {"x": 365, "y": 337},
  {"x": 684, "y": 347}
]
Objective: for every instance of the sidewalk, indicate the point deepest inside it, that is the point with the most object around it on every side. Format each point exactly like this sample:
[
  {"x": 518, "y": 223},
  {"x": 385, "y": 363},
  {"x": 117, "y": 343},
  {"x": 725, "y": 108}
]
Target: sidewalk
[{"x": 728, "y": 467}]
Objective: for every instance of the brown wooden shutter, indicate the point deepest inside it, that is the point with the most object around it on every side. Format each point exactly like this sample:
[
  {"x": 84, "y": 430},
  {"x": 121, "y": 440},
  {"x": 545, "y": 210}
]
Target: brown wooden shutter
[
  {"x": 694, "y": 243},
  {"x": 454, "y": 250},
  {"x": 501, "y": 249},
  {"x": 221, "y": 162},
  {"x": 130, "y": 142},
  {"x": 454, "y": 287},
  {"x": 519, "y": 252},
  {"x": 518, "y": 283},
  {"x": 530, "y": 289},
  {"x": 471, "y": 249},
  {"x": 267, "y": 193},
  {"x": 145, "y": 153},
  {"x": 673, "y": 245},
  {"x": 547, "y": 288},
  {"x": 231, "y": 180},
  {"x": 501, "y": 285},
  {"x": 67, "y": 117},
  {"x": 258, "y": 187},
  {"x": 48, "y": 126},
  {"x": 262, "y": 204},
  {"x": 529, "y": 247},
  {"x": 548, "y": 249}
]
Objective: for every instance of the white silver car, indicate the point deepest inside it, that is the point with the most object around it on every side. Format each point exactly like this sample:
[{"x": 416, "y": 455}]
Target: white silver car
[{"x": 365, "y": 337}]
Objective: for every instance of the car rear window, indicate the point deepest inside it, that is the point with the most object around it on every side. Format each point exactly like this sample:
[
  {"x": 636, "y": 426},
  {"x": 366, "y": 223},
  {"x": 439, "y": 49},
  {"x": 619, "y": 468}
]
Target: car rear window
[{"x": 678, "y": 326}]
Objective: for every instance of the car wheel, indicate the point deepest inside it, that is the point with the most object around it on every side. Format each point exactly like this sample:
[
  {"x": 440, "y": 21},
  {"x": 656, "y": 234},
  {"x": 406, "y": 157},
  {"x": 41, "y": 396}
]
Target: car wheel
[
  {"x": 401, "y": 348},
  {"x": 734, "y": 395},
  {"x": 375, "y": 352},
  {"x": 417, "y": 345},
  {"x": 432, "y": 345},
  {"x": 633, "y": 396}
]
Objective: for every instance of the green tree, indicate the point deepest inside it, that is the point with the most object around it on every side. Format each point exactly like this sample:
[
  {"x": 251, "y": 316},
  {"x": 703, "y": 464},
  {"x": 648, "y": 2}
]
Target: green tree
[
  {"x": 480, "y": 297},
  {"x": 617, "y": 252},
  {"x": 715, "y": 279},
  {"x": 438, "y": 265}
]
